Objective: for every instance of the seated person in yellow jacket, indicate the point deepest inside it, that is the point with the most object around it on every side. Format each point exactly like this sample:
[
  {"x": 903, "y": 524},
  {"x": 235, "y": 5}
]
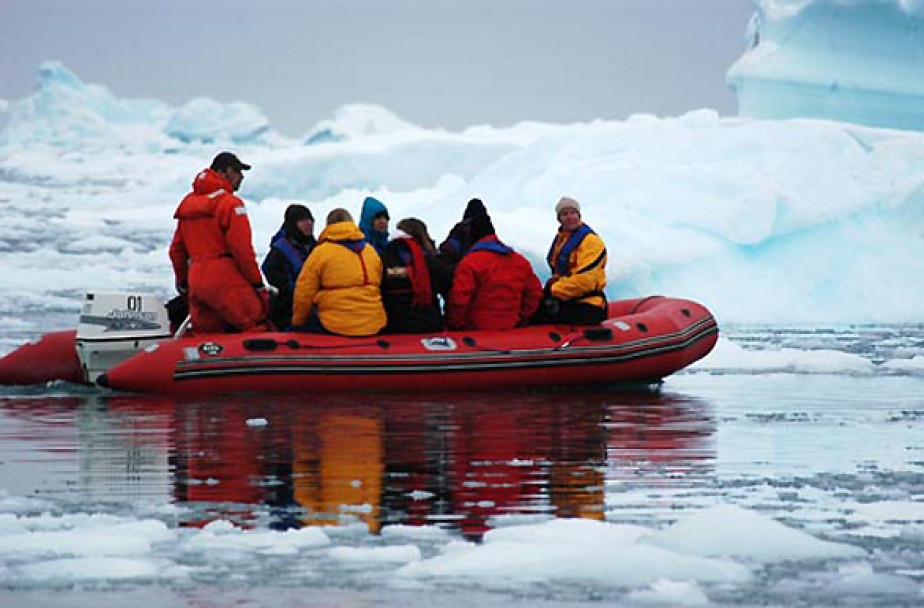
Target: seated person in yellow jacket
[
  {"x": 337, "y": 290},
  {"x": 577, "y": 257}
]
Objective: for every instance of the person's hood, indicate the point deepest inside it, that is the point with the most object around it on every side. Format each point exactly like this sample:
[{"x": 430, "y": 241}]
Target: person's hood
[
  {"x": 473, "y": 208},
  {"x": 208, "y": 181},
  {"x": 371, "y": 208},
  {"x": 341, "y": 231},
  {"x": 481, "y": 226}
]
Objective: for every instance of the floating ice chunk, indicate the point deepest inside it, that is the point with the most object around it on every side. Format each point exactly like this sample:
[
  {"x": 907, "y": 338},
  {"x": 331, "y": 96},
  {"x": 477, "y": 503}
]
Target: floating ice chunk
[
  {"x": 81, "y": 537},
  {"x": 96, "y": 244},
  {"x": 669, "y": 593},
  {"x": 731, "y": 531},
  {"x": 414, "y": 532},
  {"x": 220, "y": 539},
  {"x": 728, "y": 355},
  {"x": 572, "y": 549},
  {"x": 400, "y": 554},
  {"x": 913, "y": 364},
  {"x": 892, "y": 510},
  {"x": 860, "y": 579},
  {"x": 91, "y": 568},
  {"x": 221, "y": 526},
  {"x": 11, "y": 525},
  {"x": 8, "y": 323}
]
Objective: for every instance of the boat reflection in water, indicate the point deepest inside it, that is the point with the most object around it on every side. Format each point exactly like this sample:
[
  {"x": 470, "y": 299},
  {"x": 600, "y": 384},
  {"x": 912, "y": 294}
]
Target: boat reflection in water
[{"x": 454, "y": 461}]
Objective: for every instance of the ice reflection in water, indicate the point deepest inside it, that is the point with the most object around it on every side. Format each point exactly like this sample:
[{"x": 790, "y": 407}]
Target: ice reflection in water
[{"x": 459, "y": 462}]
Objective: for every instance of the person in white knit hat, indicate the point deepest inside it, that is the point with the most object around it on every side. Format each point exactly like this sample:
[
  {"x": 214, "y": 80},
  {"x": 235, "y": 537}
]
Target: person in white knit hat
[{"x": 574, "y": 293}]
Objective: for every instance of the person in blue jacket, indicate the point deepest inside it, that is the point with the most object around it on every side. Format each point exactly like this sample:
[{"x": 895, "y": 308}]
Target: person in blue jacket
[
  {"x": 373, "y": 221},
  {"x": 289, "y": 248}
]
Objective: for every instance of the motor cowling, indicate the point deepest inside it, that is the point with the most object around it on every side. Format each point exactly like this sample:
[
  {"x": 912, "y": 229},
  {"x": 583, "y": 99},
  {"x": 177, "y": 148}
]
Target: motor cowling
[{"x": 114, "y": 326}]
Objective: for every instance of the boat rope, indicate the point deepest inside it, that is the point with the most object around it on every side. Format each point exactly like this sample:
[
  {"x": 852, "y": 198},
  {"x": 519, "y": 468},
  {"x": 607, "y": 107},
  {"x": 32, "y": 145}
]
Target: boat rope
[{"x": 268, "y": 344}]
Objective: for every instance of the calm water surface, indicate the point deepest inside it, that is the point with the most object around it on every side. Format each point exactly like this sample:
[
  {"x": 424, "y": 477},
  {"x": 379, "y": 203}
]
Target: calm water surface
[
  {"x": 814, "y": 451},
  {"x": 454, "y": 461}
]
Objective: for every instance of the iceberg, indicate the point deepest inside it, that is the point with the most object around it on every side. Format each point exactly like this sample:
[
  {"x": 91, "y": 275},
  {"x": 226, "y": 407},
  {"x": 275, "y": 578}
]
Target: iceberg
[
  {"x": 204, "y": 120},
  {"x": 65, "y": 112},
  {"x": 762, "y": 221},
  {"x": 354, "y": 121},
  {"x": 859, "y": 61},
  {"x": 4, "y": 113}
]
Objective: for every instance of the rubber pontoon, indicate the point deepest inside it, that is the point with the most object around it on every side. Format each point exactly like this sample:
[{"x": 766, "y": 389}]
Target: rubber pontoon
[{"x": 642, "y": 341}]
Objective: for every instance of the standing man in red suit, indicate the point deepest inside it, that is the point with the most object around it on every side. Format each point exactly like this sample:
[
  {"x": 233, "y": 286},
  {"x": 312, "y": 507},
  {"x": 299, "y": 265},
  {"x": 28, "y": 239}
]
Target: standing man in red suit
[{"x": 212, "y": 253}]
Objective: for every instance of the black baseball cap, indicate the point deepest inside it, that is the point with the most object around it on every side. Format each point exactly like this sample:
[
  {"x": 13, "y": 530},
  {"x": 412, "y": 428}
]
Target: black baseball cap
[{"x": 225, "y": 160}]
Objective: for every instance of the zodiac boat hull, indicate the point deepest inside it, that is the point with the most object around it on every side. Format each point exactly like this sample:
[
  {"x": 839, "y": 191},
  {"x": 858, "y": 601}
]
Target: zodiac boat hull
[{"x": 643, "y": 340}]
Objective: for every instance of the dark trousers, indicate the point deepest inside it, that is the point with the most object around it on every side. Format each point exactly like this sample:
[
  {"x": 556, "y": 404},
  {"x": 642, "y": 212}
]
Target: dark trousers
[
  {"x": 313, "y": 325},
  {"x": 571, "y": 312}
]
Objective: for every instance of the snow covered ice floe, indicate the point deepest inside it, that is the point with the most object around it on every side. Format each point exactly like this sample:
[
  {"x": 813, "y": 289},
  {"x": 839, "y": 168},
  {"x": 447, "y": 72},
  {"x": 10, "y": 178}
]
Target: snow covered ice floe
[
  {"x": 221, "y": 540},
  {"x": 729, "y": 356},
  {"x": 719, "y": 545},
  {"x": 730, "y": 531}
]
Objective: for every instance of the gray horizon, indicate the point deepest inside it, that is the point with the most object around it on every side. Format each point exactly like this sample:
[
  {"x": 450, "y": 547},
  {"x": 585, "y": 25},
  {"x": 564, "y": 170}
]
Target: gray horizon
[{"x": 436, "y": 64}]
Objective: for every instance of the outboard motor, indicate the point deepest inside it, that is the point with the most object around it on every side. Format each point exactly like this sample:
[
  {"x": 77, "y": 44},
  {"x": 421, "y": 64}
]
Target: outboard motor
[{"x": 115, "y": 326}]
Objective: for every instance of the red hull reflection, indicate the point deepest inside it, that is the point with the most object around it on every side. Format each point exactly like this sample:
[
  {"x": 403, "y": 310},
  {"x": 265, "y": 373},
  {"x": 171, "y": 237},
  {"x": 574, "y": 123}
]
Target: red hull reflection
[{"x": 460, "y": 461}]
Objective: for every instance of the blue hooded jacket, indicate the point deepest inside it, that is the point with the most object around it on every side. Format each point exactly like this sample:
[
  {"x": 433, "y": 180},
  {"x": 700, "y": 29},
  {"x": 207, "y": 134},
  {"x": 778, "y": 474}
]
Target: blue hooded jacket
[{"x": 377, "y": 238}]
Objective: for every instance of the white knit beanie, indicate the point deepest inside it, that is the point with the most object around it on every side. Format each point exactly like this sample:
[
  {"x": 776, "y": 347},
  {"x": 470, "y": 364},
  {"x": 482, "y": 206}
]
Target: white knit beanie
[{"x": 566, "y": 203}]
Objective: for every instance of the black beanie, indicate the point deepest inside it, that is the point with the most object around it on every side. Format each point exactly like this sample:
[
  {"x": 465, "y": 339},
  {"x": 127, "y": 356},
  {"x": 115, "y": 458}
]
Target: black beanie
[
  {"x": 296, "y": 213},
  {"x": 474, "y": 207},
  {"x": 481, "y": 226}
]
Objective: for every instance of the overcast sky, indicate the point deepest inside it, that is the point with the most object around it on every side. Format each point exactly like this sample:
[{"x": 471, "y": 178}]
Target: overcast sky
[{"x": 433, "y": 62}]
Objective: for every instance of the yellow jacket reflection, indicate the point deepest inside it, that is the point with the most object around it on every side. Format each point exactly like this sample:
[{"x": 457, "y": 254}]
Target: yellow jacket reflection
[{"x": 338, "y": 472}]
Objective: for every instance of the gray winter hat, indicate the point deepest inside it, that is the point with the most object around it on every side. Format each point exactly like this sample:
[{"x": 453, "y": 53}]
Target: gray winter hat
[{"x": 566, "y": 203}]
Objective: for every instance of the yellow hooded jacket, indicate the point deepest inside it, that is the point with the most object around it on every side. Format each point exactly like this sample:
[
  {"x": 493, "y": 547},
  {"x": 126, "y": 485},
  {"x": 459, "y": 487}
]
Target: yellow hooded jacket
[
  {"x": 342, "y": 282},
  {"x": 586, "y": 274}
]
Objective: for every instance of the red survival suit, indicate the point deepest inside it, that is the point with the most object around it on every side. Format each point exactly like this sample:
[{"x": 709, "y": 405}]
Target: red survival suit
[{"x": 212, "y": 253}]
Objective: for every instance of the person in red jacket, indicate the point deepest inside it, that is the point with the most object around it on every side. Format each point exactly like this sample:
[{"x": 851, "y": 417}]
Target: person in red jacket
[
  {"x": 212, "y": 254},
  {"x": 494, "y": 287}
]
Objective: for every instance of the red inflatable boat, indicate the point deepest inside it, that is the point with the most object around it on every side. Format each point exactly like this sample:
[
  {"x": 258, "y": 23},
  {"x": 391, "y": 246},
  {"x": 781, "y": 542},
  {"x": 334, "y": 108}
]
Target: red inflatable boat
[{"x": 642, "y": 341}]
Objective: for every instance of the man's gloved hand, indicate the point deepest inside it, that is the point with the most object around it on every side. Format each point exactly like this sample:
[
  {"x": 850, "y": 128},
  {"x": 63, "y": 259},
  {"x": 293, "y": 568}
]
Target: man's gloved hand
[
  {"x": 264, "y": 294},
  {"x": 552, "y": 306}
]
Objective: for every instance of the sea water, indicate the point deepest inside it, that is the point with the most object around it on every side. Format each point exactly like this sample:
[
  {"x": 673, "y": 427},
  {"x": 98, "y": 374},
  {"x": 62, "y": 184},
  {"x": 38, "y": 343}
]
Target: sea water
[{"x": 785, "y": 470}]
